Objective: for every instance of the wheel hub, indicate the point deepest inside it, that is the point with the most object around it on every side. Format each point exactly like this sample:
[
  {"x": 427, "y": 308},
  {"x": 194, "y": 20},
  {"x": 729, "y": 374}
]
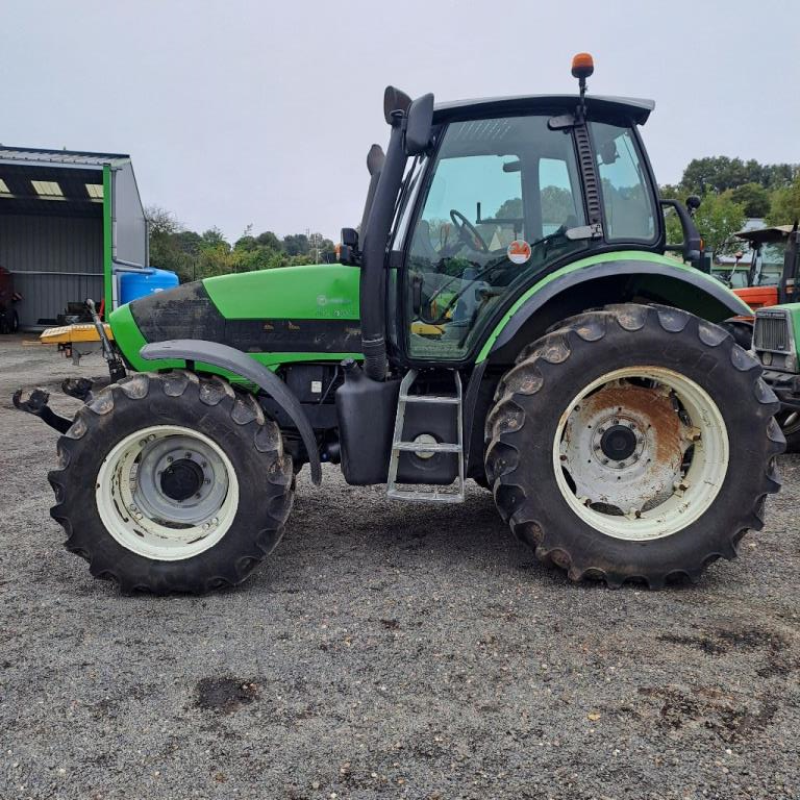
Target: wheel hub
[
  {"x": 618, "y": 443},
  {"x": 167, "y": 492},
  {"x": 623, "y": 447},
  {"x": 182, "y": 479}
]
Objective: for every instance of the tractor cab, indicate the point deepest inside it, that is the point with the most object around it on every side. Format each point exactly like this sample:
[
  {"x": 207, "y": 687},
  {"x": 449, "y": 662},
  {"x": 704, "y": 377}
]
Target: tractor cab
[
  {"x": 768, "y": 279},
  {"x": 499, "y": 202},
  {"x": 491, "y": 197}
]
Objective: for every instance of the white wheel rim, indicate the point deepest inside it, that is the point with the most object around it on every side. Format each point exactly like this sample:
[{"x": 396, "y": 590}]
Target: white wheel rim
[
  {"x": 140, "y": 516},
  {"x": 675, "y": 469}
]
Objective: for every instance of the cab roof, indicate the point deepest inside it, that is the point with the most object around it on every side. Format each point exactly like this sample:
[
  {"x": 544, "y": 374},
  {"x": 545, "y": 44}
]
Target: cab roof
[
  {"x": 635, "y": 109},
  {"x": 777, "y": 233}
]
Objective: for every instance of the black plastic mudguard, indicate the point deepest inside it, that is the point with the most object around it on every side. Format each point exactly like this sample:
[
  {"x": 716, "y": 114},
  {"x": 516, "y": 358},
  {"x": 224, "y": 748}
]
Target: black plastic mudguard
[{"x": 233, "y": 360}]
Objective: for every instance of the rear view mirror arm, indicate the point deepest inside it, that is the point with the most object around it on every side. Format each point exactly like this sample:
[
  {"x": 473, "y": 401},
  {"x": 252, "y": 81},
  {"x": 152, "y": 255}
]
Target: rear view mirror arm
[{"x": 692, "y": 241}]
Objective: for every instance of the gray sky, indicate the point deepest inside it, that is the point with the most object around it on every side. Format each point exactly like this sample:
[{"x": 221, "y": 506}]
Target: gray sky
[{"x": 242, "y": 112}]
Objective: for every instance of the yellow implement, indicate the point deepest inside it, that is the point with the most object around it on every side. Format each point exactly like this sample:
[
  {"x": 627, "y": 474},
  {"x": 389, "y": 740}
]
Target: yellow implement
[{"x": 74, "y": 334}]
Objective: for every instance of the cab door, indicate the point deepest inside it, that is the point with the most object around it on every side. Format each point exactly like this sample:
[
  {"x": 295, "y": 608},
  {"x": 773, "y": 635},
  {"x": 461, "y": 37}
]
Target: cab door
[{"x": 493, "y": 213}]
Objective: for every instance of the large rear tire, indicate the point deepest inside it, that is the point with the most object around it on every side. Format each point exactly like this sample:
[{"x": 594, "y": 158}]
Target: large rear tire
[
  {"x": 633, "y": 443},
  {"x": 172, "y": 483}
]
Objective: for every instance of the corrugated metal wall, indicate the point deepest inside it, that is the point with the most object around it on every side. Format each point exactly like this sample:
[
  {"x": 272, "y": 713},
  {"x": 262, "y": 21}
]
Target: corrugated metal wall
[{"x": 54, "y": 260}]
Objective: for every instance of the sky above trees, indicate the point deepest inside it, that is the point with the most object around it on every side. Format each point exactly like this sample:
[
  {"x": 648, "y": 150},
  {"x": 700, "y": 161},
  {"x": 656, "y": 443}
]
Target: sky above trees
[{"x": 240, "y": 113}]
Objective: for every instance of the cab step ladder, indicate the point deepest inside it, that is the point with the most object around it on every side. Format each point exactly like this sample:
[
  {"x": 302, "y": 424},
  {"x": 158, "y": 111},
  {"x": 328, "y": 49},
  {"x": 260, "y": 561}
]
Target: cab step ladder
[{"x": 434, "y": 495}]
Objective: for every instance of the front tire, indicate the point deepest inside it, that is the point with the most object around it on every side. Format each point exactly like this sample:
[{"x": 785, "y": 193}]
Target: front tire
[
  {"x": 633, "y": 443},
  {"x": 172, "y": 483}
]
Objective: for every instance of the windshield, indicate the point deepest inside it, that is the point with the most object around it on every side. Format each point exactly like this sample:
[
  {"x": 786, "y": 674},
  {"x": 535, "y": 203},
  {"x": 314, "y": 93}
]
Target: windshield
[{"x": 502, "y": 202}]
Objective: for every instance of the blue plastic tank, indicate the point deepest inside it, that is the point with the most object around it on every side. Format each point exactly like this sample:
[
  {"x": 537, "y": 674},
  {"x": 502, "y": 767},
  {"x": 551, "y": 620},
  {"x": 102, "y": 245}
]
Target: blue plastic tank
[{"x": 133, "y": 285}]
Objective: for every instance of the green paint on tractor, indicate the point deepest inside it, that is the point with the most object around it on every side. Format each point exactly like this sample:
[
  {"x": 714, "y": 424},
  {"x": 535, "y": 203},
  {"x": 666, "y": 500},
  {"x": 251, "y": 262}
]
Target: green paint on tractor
[
  {"x": 609, "y": 259},
  {"x": 318, "y": 291}
]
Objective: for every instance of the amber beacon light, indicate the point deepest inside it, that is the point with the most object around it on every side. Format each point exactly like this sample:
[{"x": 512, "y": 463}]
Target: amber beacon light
[{"x": 582, "y": 65}]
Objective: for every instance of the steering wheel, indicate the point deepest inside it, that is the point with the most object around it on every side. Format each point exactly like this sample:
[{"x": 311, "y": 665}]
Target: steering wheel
[{"x": 467, "y": 232}]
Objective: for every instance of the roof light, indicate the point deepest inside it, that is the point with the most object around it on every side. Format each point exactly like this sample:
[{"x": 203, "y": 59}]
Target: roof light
[
  {"x": 49, "y": 190},
  {"x": 95, "y": 191},
  {"x": 582, "y": 65},
  {"x": 4, "y": 190}
]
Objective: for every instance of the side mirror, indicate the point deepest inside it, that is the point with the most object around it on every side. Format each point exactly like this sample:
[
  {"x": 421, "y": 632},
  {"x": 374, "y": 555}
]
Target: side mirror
[
  {"x": 394, "y": 101},
  {"x": 350, "y": 237},
  {"x": 693, "y": 203},
  {"x": 347, "y": 251},
  {"x": 419, "y": 125},
  {"x": 692, "y": 242}
]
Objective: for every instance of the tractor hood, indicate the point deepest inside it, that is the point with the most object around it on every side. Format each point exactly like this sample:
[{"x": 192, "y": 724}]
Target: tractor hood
[{"x": 278, "y": 315}]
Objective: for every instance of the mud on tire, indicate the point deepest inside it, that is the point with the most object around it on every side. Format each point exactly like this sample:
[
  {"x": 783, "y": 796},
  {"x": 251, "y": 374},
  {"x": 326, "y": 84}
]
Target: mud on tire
[
  {"x": 532, "y": 401},
  {"x": 233, "y": 421}
]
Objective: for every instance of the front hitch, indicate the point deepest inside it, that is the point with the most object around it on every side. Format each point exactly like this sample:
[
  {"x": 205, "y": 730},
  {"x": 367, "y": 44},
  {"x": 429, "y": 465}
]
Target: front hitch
[{"x": 37, "y": 404}]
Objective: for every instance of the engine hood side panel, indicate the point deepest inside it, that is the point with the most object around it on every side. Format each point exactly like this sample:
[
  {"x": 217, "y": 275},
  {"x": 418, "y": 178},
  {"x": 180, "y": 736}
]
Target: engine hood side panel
[{"x": 279, "y": 315}]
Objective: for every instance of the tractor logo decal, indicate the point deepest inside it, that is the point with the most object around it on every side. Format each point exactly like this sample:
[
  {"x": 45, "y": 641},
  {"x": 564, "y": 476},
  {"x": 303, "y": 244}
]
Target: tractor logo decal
[{"x": 519, "y": 251}]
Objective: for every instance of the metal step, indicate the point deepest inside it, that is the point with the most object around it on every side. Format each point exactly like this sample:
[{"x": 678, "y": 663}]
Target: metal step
[
  {"x": 420, "y": 398},
  {"x": 435, "y": 494},
  {"x": 416, "y": 496},
  {"x": 421, "y": 447}
]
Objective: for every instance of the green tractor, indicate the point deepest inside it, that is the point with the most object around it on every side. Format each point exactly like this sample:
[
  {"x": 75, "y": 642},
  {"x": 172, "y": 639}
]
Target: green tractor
[
  {"x": 776, "y": 337},
  {"x": 508, "y": 313}
]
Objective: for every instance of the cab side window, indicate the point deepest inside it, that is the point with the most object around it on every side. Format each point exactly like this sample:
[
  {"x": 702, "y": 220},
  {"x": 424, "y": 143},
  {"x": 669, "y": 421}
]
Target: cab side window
[
  {"x": 474, "y": 204},
  {"x": 559, "y": 199},
  {"x": 627, "y": 204}
]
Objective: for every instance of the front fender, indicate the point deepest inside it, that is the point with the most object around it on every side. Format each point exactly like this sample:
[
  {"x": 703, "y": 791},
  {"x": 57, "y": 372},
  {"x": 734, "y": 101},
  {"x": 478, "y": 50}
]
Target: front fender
[
  {"x": 239, "y": 363},
  {"x": 612, "y": 278}
]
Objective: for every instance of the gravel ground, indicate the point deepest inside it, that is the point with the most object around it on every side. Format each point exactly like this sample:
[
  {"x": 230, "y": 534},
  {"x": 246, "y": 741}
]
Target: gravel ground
[{"x": 386, "y": 650}]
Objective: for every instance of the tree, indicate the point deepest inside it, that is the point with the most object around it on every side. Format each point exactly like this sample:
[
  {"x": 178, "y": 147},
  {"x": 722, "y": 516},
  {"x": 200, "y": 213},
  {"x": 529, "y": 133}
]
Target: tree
[
  {"x": 510, "y": 209},
  {"x": 166, "y": 251},
  {"x": 785, "y": 207},
  {"x": 214, "y": 238},
  {"x": 295, "y": 244},
  {"x": 269, "y": 240},
  {"x": 714, "y": 173},
  {"x": 753, "y": 197},
  {"x": 720, "y": 173},
  {"x": 717, "y": 219}
]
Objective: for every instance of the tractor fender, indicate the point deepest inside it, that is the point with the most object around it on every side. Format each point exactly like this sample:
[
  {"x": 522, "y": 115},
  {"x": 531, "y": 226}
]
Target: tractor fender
[
  {"x": 605, "y": 282},
  {"x": 238, "y": 362}
]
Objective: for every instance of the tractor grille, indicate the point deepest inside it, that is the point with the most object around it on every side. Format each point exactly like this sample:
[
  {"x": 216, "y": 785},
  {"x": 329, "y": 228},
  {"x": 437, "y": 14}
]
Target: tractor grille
[{"x": 772, "y": 333}]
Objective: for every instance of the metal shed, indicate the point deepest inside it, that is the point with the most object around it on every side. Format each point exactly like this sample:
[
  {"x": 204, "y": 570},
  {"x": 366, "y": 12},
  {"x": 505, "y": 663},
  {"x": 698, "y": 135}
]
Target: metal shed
[{"x": 70, "y": 222}]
